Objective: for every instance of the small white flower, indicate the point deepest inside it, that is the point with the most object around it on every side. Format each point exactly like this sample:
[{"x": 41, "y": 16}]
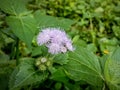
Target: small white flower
[{"x": 43, "y": 60}]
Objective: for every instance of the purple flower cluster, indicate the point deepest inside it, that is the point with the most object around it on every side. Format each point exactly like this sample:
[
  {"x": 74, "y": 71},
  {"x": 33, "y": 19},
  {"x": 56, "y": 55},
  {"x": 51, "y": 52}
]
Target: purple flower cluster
[{"x": 55, "y": 39}]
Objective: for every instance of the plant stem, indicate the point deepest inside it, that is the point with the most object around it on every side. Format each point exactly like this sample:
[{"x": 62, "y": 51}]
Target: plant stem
[
  {"x": 12, "y": 55},
  {"x": 17, "y": 51}
]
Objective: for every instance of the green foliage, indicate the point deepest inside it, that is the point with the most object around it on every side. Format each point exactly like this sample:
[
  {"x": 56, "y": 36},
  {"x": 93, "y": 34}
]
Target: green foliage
[
  {"x": 61, "y": 78},
  {"x": 6, "y": 68},
  {"x": 26, "y": 74},
  {"x": 36, "y": 51},
  {"x": 58, "y": 86},
  {"x": 61, "y": 59},
  {"x": 59, "y": 75},
  {"x": 116, "y": 30},
  {"x": 112, "y": 70},
  {"x": 92, "y": 47},
  {"x": 50, "y": 21},
  {"x": 23, "y": 26},
  {"x": 14, "y": 7},
  {"x": 22, "y": 23},
  {"x": 108, "y": 44},
  {"x": 95, "y": 19},
  {"x": 83, "y": 65},
  {"x": 39, "y": 50}
]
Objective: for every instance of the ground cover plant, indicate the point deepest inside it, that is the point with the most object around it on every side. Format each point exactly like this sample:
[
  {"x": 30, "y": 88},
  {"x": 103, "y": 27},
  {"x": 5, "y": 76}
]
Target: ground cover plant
[{"x": 60, "y": 44}]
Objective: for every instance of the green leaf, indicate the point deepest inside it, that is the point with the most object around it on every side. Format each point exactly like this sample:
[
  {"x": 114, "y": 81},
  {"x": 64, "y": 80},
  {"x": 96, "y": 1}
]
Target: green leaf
[
  {"x": 92, "y": 47},
  {"x": 59, "y": 75},
  {"x": 58, "y": 86},
  {"x": 112, "y": 70},
  {"x": 26, "y": 75},
  {"x": 24, "y": 27},
  {"x": 116, "y": 30},
  {"x": 108, "y": 44},
  {"x": 37, "y": 51},
  {"x": 84, "y": 65},
  {"x": 12, "y": 78},
  {"x": 13, "y": 7},
  {"x": 61, "y": 58},
  {"x": 50, "y": 21}
]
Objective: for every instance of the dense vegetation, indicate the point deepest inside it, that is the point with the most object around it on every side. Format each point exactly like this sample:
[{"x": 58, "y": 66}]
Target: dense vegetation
[{"x": 93, "y": 26}]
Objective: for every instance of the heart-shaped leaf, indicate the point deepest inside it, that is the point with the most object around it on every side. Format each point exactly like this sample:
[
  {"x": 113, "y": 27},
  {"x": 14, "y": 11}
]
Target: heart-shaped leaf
[{"x": 24, "y": 27}]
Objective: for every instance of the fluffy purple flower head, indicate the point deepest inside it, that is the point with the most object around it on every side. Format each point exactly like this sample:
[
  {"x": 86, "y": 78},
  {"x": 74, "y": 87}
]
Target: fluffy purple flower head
[
  {"x": 54, "y": 48},
  {"x": 55, "y": 39},
  {"x": 43, "y": 37}
]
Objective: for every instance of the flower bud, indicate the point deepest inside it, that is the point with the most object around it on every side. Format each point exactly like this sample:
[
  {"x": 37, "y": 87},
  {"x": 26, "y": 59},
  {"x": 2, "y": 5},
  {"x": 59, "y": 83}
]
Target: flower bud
[
  {"x": 42, "y": 67},
  {"x": 37, "y": 63},
  {"x": 43, "y": 60},
  {"x": 48, "y": 63}
]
